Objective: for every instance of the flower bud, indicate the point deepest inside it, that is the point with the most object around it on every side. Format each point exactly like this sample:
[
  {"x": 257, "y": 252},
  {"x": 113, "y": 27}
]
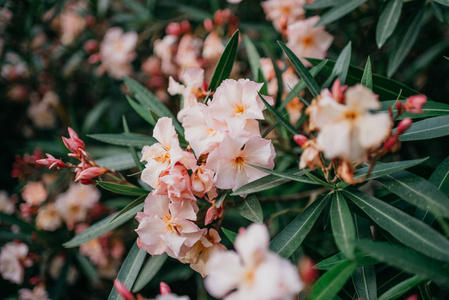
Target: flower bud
[
  {"x": 164, "y": 288},
  {"x": 307, "y": 272},
  {"x": 415, "y": 103},
  {"x": 91, "y": 173},
  {"x": 91, "y": 46},
  {"x": 122, "y": 290},
  {"x": 390, "y": 143},
  {"x": 300, "y": 139},
  {"x": 208, "y": 25},
  {"x": 404, "y": 125},
  {"x": 174, "y": 29}
]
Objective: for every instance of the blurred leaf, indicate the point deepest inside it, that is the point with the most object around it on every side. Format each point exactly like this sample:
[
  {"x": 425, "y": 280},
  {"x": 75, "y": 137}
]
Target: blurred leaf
[
  {"x": 404, "y": 41},
  {"x": 26, "y": 227},
  {"x": 318, "y": 4},
  {"x": 130, "y": 206},
  {"x": 291, "y": 237},
  {"x": 253, "y": 55},
  {"x": 442, "y": 2},
  {"x": 431, "y": 109},
  {"x": 289, "y": 174},
  {"x": 332, "y": 281},
  {"x": 118, "y": 162},
  {"x": 427, "y": 129},
  {"x": 278, "y": 117},
  {"x": 149, "y": 270},
  {"x": 417, "y": 191},
  {"x": 143, "y": 112},
  {"x": 342, "y": 225},
  {"x": 427, "y": 58},
  {"x": 402, "y": 226},
  {"x": 121, "y": 189},
  {"x": 87, "y": 268},
  {"x": 401, "y": 288},
  {"x": 150, "y": 101},
  {"x": 341, "y": 66},
  {"x": 339, "y": 11},
  {"x": 330, "y": 262},
  {"x": 388, "y": 19},
  {"x": 129, "y": 270},
  {"x": 60, "y": 283},
  {"x": 225, "y": 63},
  {"x": 302, "y": 71},
  {"x": 130, "y": 148},
  {"x": 124, "y": 139},
  {"x": 446, "y": 57},
  {"x": 250, "y": 209},
  {"x": 10, "y": 236},
  {"x": 261, "y": 79},
  {"x": 367, "y": 77},
  {"x": 406, "y": 260},
  {"x": 94, "y": 115},
  {"x": 102, "y": 227},
  {"x": 229, "y": 234}
]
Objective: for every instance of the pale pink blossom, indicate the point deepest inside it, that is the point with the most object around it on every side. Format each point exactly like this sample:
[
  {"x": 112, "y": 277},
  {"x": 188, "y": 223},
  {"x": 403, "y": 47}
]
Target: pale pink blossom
[
  {"x": 95, "y": 252},
  {"x": 48, "y": 218},
  {"x": 160, "y": 156},
  {"x": 283, "y": 12},
  {"x": 306, "y": 40},
  {"x": 34, "y": 193},
  {"x": 166, "y": 227},
  {"x": 13, "y": 259},
  {"x": 6, "y": 205},
  {"x": 213, "y": 47},
  {"x": 14, "y": 67},
  {"x": 348, "y": 131},
  {"x": 231, "y": 161},
  {"x": 164, "y": 49},
  {"x": 42, "y": 113},
  {"x": 202, "y": 180},
  {"x": 415, "y": 103},
  {"x": 175, "y": 183},
  {"x": 189, "y": 50},
  {"x": 38, "y": 293},
  {"x": 166, "y": 293},
  {"x": 117, "y": 51},
  {"x": 253, "y": 272},
  {"x": 72, "y": 24}
]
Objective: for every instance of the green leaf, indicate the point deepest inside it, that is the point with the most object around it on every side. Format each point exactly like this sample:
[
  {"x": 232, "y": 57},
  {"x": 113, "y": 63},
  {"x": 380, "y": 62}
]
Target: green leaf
[
  {"x": 318, "y": 4},
  {"x": 143, "y": 112},
  {"x": 332, "y": 281},
  {"x": 132, "y": 149},
  {"x": 124, "y": 139},
  {"x": 330, "y": 262},
  {"x": 401, "y": 288},
  {"x": 339, "y": 11},
  {"x": 250, "y": 209},
  {"x": 291, "y": 237},
  {"x": 341, "y": 66},
  {"x": 442, "y": 2},
  {"x": 129, "y": 270},
  {"x": 149, "y": 270},
  {"x": 7, "y": 235},
  {"x": 389, "y": 18},
  {"x": 289, "y": 174},
  {"x": 278, "y": 117},
  {"x": 130, "y": 206},
  {"x": 150, "y": 101},
  {"x": 367, "y": 77},
  {"x": 229, "y": 234},
  {"x": 87, "y": 268},
  {"x": 446, "y": 57},
  {"x": 427, "y": 129},
  {"x": 94, "y": 115},
  {"x": 417, "y": 191},
  {"x": 431, "y": 109},
  {"x": 225, "y": 63},
  {"x": 405, "y": 39},
  {"x": 119, "y": 162},
  {"x": 127, "y": 190},
  {"x": 26, "y": 227},
  {"x": 261, "y": 79},
  {"x": 406, "y": 260},
  {"x": 305, "y": 75},
  {"x": 102, "y": 227},
  {"x": 342, "y": 225},
  {"x": 253, "y": 55},
  {"x": 402, "y": 226},
  {"x": 364, "y": 279}
]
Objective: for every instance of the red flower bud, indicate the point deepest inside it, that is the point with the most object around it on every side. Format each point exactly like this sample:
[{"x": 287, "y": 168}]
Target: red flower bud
[
  {"x": 404, "y": 125},
  {"x": 390, "y": 143},
  {"x": 122, "y": 290},
  {"x": 415, "y": 103},
  {"x": 208, "y": 25},
  {"x": 91, "y": 173},
  {"x": 164, "y": 288},
  {"x": 91, "y": 46},
  {"x": 300, "y": 139}
]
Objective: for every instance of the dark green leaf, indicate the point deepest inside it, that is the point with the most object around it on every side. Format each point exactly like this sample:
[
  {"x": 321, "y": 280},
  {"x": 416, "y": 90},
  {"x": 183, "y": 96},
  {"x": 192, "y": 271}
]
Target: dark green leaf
[
  {"x": 305, "y": 75},
  {"x": 124, "y": 139},
  {"x": 339, "y": 11},
  {"x": 127, "y": 190},
  {"x": 427, "y": 129},
  {"x": 6, "y": 235},
  {"x": 332, "y": 281},
  {"x": 442, "y": 2},
  {"x": 229, "y": 234},
  {"x": 129, "y": 270},
  {"x": 250, "y": 209},
  {"x": 342, "y": 225},
  {"x": 87, "y": 268},
  {"x": 225, "y": 63},
  {"x": 102, "y": 227},
  {"x": 341, "y": 66},
  {"x": 405, "y": 39},
  {"x": 291, "y": 237},
  {"x": 289, "y": 174},
  {"x": 143, "y": 112},
  {"x": 278, "y": 117},
  {"x": 117, "y": 162},
  {"x": 318, "y": 4},
  {"x": 130, "y": 206},
  {"x": 401, "y": 288},
  {"x": 330, "y": 262},
  {"x": 94, "y": 115},
  {"x": 367, "y": 77},
  {"x": 402, "y": 226},
  {"x": 253, "y": 55},
  {"x": 364, "y": 279},
  {"x": 261, "y": 79},
  {"x": 406, "y": 260},
  {"x": 389, "y": 18},
  {"x": 431, "y": 109},
  {"x": 149, "y": 270},
  {"x": 26, "y": 227},
  {"x": 132, "y": 149}
]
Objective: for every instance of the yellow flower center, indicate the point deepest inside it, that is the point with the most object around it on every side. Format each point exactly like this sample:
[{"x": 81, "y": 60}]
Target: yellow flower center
[{"x": 239, "y": 109}]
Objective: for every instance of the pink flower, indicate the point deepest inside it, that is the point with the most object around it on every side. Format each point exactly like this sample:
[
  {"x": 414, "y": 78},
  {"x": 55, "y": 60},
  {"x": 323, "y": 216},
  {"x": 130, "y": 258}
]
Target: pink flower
[
  {"x": 305, "y": 40},
  {"x": 48, "y": 218},
  {"x": 123, "y": 291},
  {"x": 415, "y": 103},
  {"x": 203, "y": 183},
  {"x": 213, "y": 47},
  {"x": 38, "y": 293},
  {"x": 231, "y": 163},
  {"x": 74, "y": 144},
  {"x": 91, "y": 173},
  {"x": 175, "y": 183},
  {"x": 283, "y": 12},
  {"x": 72, "y": 23},
  {"x": 164, "y": 50},
  {"x": 13, "y": 258},
  {"x": 34, "y": 193},
  {"x": 6, "y": 205},
  {"x": 166, "y": 227},
  {"x": 51, "y": 162},
  {"x": 189, "y": 50}
]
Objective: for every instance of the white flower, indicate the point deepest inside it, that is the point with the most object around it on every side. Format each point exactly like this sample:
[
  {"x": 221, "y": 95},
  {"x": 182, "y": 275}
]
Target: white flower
[
  {"x": 6, "y": 205},
  {"x": 284, "y": 12},
  {"x": 48, "y": 218},
  {"x": 12, "y": 261},
  {"x": 38, "y": 293}
]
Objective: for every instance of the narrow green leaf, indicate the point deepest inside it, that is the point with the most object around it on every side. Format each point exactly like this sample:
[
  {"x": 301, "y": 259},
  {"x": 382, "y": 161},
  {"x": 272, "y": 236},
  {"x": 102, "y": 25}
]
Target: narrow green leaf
[
  {"x": 289, "y": 174},
  {"x": 150, "y": 101},
  {"x": 318, "y": 180},
  {"x": 253, "y": 55},
  {"x": 124, "y": 139},
  {"x": 94, "y": 115},
  {"x": 26, "y": 227},
  {"x": 405, "y": 39},
  {"x": 427, "y": 129},
  {"x": 367, "y": 77},
  {"x": 342, "y": 225},
  {"x": 304, "y": 74},
  {"x": 130, "y": 206},
  {"x": 129, "y": 270},
  {"x": 417, "y": 191},
  {"x": 318, "y": 4},
  {"x": 149, "y": 270},
  {"x": 87, "y": 268},
  {"x": 261, "y": 79},
  {"x": 102, "y": 227},
  {"x": 339, "y": 11},
  {"x": 341, "y": 66},
  {"x": 430, "y": 109},
  {"x": 225, "y": 63},
  {"x": 442, "y": 2},
  {"x": 389, "y": 18},
  {"x": 330, "y": 262},
  {"x": 291, "y": 237},
  {"x": 364, "y": 279},
  {"x": 251, "y": 209},
  {"x": 446, "y": 57},
  {"x": 141, "y": 111},
  {"x": 127, "y": 190},
  {"x": 229, "y": 234},
  {"x": 328, "y": 286},
  {"x": 278, "y": 117},
  {"x": 132, "y": 149},
  {"x": 401, "y": 288},
  {"x": 406, "y": 260},
  {"x": 119, "y": 162},
  {"x": 402, "y": 226},
  {"x": 279, "y": 79}
]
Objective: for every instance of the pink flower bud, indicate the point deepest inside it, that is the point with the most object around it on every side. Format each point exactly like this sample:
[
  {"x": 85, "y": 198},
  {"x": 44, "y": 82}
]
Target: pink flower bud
[
  {"x": 164, "y": 288},
  {"x": 51, "y": 162},
  {"x": 413, "y": 297},
  {"x": 90, "y": 20},
  {"x": 307, "y": 272},
  {"x": 211, "y": 214},
  {"x": 74, "y": 137},
  {"x": 91, "y": 173},
  {"x": 94, "y": 58},
  {"x": 185, "y": 26},
  {"x": 122, "y": 290},
  {"x": 415, "y": 103},
  {"x": 300, "y": 139},
  {"x": 390, "y": 143},
  {"x": 208, "y": 25},
  {"x": 91, "y": 46},
  {"x": 404, "y": 125},
  {"x": 399, "y": 106},
  {"x": 338, "y": 91},
  {"x": 173, "y": 29}
]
